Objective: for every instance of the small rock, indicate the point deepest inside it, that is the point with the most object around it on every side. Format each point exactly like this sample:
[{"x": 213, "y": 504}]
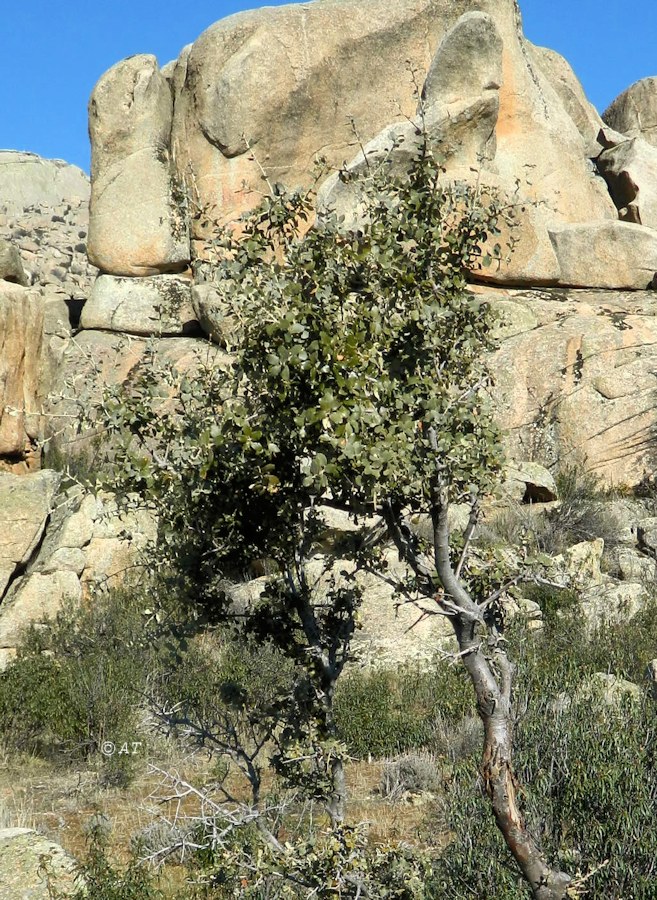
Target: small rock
[
  {"x": 610, "y": 689},
  {"x": 582, "y": 562},
  {"x": 612, "y": 604},
  {"x": 25, "y": 858},
  {"x": 11, "y": 267},
  {"x": 530, "y": 482}
]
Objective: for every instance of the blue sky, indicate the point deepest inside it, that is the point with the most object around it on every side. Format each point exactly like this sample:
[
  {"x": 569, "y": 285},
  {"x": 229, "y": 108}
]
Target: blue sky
[{"x": 53, "y": 53}]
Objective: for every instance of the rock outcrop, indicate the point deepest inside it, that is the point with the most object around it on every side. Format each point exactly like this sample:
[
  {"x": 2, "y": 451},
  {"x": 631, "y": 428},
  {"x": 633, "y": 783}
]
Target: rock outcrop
[
  {"x": 565, "y": 83},
  {"x": 634, "y": 112},
  {"x": 21, "y": 336},
  {"x": 138, "y": 224},
  {"x": 575, "y": 379},
  {"x": 27, "y": 180},
  {"x": 630, "y": 169},
  {"x": 180, "y": 150},
  {"x": 60, "y": 548},
  {"x": 259, "y": 95},
  {"x": 159, "y": 305},
  {"x": 32, "y": 867}
]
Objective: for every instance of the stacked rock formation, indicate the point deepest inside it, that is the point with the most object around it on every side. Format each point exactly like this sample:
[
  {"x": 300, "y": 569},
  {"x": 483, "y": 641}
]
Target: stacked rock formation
[
  {"x": 270, "y": 90},
  {"x": 181, "y": 150},
  {"x": 45, "y": 277}
]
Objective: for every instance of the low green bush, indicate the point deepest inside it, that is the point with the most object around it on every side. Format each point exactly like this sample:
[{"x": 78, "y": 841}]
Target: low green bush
[
  {"x": 79, "y": 682},
  {"x": 382, "y": 712},
  {"x": 98, "y": 877}
]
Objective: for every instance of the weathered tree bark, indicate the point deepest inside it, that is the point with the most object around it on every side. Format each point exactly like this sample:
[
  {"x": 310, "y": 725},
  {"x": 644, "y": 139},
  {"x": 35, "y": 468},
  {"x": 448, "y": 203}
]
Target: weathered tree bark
[{"x": 492, "y": 680}]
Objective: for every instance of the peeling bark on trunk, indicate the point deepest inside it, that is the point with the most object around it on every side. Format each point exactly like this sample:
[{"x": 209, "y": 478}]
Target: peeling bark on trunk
[
  {"x": 492, "y": 681},
  {"x": 490, "y": 671},
  {"x": 494, "y": 707}
]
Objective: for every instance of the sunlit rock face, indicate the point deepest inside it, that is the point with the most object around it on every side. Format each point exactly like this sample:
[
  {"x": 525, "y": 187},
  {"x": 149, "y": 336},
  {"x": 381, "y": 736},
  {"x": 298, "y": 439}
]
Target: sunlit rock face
[
  {"x": 260, "y": 95},
  {"x": 634, "y": 111},
  {"x": 137, "y": 224},
  {"x": 575, "y": 379}
]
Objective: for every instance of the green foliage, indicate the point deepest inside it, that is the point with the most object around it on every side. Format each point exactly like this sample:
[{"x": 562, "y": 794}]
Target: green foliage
[
  {"x": 100, "y": 878},
  {"x": 359, "y": 381},
  {"x": 234, "y": 697},
  {"x": 383, "y": 712},
  {"x": 554, "y": 601},
  {"x": 337, "y": 863},
  {"x": 581, "y": 513},
  {"x": 359, "y": 371},
  {"x": 77, "y": 683}
]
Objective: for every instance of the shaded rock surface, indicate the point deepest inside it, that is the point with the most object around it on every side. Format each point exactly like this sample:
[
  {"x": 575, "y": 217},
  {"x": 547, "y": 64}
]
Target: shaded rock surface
[
  {"x": 11, "y": 267},
  {"x": 630, "y": 169}
]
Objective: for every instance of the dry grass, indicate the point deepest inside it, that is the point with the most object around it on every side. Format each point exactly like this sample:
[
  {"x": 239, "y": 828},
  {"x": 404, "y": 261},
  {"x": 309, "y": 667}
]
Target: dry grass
[
  {"x": 402, "y": 821},
  {"x": 61, "y": 803}
]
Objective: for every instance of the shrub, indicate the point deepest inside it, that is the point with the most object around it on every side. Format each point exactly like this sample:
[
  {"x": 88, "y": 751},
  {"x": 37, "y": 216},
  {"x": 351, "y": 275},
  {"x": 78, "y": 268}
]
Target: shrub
[
  {"x": 581, "y": 514},
  {"x": 78, "y": 682},
  {"x": 383, "y": 712},
  {"x": 458, "y": 740},
  {"x": 161, "y": 840},
  {"x": 413, "y": 773},
  {"x": 100, "y": 878}
]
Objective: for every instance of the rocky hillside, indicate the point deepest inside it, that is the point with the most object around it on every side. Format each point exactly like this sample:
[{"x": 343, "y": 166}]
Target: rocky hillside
[{"x": 177, "y": 149}]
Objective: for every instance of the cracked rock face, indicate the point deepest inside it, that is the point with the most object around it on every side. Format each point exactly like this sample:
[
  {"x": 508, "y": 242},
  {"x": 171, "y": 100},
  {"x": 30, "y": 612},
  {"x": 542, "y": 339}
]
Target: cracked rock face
[
  {"x": 25, "y": 506},
  {"x": 21, "y": 336},
  {"x": 575, "y": 379},
  {"x": 137, "y": 224},
  {"x": 61, "y": 548}
]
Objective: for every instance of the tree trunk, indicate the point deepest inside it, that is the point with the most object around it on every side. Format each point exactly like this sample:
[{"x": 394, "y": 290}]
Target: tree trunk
[
  {"x": 494, "y": 706},
  {"x": 336, "y": 800},
  {"x": 491, "y": 680}
]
